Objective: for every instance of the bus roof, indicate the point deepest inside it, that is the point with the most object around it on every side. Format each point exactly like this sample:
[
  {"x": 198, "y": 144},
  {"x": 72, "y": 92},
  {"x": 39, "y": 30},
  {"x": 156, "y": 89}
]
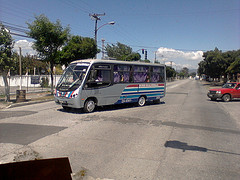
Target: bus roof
[{"x": 93, "y": 61}]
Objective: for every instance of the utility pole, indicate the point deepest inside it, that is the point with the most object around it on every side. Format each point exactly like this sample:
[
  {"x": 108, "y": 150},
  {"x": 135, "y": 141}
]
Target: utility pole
[
  {"x": 155, "y": 59},
  {"x": 96, "y": 18},
  {"x": 103, "y": 48},
  {"x": 20, "y": 66}
]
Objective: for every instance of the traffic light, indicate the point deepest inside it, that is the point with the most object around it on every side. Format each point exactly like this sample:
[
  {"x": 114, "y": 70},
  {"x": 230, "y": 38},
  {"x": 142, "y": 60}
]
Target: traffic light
[
  {"x": 142, "y": 51},
  {"x": 145, "y": 54}
]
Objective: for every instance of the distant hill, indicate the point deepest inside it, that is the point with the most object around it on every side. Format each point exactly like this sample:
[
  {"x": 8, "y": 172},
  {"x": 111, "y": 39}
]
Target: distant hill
[{"x": 192, "y": 70}]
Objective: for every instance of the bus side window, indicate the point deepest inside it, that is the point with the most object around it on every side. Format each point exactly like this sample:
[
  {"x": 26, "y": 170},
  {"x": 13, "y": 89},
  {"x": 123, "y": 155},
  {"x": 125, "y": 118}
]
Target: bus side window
[
  {"x": 121, "y": 74},
  {"x": 98, "y": 78},
  {"x": 141, "y": 74},
  {"x": 157, "y": 74}
]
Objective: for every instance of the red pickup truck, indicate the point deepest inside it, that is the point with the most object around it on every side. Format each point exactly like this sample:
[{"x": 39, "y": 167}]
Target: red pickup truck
[{"x": 228, "y": 92}]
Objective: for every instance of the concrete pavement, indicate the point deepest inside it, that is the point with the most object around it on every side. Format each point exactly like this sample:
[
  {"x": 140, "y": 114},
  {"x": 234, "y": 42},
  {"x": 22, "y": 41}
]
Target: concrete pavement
[
  {"x": 37, "y": 95},
  {"x": 33, "y": 95}
]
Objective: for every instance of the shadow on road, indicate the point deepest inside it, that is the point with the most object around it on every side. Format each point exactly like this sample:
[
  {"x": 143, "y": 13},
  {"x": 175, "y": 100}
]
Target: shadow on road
[
  {"x": 184, "y": 146},
  {"x": 108, "y": 107},
  {"x": 212, "y": 129}
]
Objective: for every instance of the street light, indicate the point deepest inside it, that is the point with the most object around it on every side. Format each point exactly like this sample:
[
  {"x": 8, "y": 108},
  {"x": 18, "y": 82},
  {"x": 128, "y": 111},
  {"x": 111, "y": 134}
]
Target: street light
[{"x": 97, "y": 28}]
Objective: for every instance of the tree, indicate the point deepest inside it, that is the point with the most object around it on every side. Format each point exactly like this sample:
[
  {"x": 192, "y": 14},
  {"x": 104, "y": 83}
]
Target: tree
[
  {"x": 217, "y": 64},
  {"x": 50, "y": 38},
  {"x": 6, "y": 60},
  {"x": 122, "y": 52},
  {"x": 185, "y": 71},
  {"x": 234, "y": 67},
  {"x": 29, "y": 63},
  {"x": 170, "y": 72},
  {"x": 193, "y": 74},
  {"x": 78, "y": 48}
]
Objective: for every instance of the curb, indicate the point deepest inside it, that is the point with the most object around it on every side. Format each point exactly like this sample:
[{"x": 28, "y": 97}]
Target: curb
[{"x": 27, "y": 103}]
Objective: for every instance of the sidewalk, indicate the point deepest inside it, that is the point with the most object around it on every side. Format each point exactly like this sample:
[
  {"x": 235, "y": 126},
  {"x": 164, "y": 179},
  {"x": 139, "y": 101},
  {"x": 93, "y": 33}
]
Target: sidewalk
[{"x": 33, "y": 95}]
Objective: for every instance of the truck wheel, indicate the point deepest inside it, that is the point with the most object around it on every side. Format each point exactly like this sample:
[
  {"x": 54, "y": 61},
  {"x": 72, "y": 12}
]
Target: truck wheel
[
  {"x": 141, "y": 101},
  {"x": 226, "y": 97},
  {"x": 89, "y": 106}
]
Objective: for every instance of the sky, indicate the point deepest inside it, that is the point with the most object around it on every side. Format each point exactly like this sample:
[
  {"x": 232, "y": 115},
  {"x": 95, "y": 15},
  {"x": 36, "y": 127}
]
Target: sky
[{"x": 175, "y": 32}]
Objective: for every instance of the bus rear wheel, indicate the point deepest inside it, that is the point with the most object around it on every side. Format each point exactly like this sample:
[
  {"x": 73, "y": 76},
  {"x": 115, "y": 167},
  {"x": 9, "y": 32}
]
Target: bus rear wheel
[
  {"x": 141, "y": 101},
  {"x": 89, "y": 106}
]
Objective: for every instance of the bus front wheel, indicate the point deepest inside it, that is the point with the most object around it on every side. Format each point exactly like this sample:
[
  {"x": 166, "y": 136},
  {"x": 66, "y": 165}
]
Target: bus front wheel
[
  {"x": 141, "y": 101},
  {"x": 89, "y": 106}
]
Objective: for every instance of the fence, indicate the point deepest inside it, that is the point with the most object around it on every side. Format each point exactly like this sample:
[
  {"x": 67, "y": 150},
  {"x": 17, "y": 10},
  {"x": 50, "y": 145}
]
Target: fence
[{"x": 29, "y": 80}]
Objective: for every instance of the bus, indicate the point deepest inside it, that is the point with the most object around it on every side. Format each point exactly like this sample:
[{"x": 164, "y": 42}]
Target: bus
[{"x": 92, "y": 82}]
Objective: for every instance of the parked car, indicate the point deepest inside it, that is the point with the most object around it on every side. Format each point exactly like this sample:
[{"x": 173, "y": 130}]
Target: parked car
[{"x": 228, "y": 92}]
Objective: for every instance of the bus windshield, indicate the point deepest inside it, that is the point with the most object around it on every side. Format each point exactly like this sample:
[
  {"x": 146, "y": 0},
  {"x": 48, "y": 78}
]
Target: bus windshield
[{"x": 72, "y": 77}]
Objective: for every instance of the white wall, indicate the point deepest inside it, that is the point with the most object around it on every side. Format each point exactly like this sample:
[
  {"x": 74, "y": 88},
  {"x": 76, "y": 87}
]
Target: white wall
[{"x": 26, "y": 80}]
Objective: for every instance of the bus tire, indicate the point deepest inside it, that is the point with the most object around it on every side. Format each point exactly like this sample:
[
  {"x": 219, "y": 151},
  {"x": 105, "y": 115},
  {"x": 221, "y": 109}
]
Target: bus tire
[
  {"x": 89, "y": 106},
  {"x": 141, "y": 101}
]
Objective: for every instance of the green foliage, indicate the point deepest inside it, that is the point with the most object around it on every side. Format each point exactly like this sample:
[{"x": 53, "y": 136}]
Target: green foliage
[
  {"x": 49, "y": 39},
  {"x": 145, "y": 61},
  {"x": 78, "y": 48},
  {"x": 170, "y": 72},
  {"x": 234, "y": 58},
  {"x": 6, "y": 46},
  {"x": 184, "y": 72},
  {"x": 122, "y": 52},
  {"x": 44, "y": 82},
  {"x": 216, "y": 63},
  {"x": 6, "y": 60},
  {"x": 193, "y": 74},
  {"x": 29, "y": 63},
  {"x": 58, "y": 69}
]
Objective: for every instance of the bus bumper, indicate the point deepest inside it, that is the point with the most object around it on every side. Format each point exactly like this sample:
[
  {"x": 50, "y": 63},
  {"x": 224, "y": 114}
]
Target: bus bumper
[{"x": 67, "y": 102}]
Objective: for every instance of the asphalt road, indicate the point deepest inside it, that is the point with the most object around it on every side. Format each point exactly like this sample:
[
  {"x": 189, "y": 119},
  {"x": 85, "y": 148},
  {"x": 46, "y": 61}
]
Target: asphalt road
[{"x": 187, "y": 136}]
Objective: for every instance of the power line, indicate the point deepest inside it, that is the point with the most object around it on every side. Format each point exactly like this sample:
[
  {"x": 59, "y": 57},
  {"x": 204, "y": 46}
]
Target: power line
[
  {"x": 16, "y": 34},
  {"x": 154, "y": 47},
  {"x": 16, "y": 29},
  {"x": 75, "y": 6},
  {"x": 13, "y": 24}
]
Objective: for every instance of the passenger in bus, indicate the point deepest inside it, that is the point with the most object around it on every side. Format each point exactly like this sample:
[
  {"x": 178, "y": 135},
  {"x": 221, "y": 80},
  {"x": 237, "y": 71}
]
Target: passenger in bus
[
  {"x": 122, "y": 78},
  {"x": 147, "y": 79}
]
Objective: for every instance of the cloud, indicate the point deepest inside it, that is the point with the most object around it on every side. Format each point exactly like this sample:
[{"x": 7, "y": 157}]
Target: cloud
[
  {"x": 26, "y": 47},
  {"x": 179, "y": 58}
]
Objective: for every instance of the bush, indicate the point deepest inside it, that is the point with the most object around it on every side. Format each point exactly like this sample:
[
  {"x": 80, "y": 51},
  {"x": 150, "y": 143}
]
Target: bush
[{"x": 44, "y": 82}]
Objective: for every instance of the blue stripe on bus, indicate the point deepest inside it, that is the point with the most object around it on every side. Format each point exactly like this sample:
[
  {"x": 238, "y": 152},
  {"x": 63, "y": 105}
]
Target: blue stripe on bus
[
  {"x": 147, "y": 92},
  {"x": 133, "y": 100},
  {"x": 156, "y": 88},
  {"x": 137, "y": 96},
  {"x": 141, "y": 89},
  {"x": 133, "y": 96},
  {"x": 133, "y": 89}
]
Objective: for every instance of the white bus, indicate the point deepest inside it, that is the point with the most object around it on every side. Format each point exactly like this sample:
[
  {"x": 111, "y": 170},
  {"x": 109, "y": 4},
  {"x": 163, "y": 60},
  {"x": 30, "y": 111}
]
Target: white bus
[{"x": 91, "y": 82}]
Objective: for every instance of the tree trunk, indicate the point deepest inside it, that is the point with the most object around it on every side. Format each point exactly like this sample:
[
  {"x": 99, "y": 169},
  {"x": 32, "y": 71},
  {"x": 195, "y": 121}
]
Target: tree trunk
[
  {"x": 7, "y": 88},
  {"x": 51, "y": 72}
]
